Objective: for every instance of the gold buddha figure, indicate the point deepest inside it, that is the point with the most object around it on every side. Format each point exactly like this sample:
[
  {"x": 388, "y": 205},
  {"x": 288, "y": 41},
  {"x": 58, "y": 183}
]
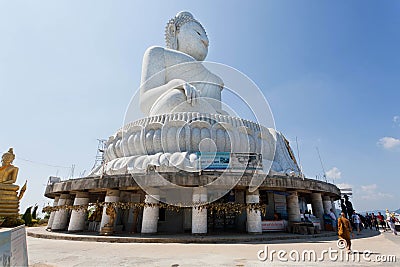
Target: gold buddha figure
[
  {"x": 9, "y": 198},
  {"x": 8, "y": 172}
]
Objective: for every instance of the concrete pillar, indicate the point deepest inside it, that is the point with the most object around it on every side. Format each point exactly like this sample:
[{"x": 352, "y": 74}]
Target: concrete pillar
[
  {"x": 111, "y": 196},
  {"x": 133, "y": 214},
  {"x": 326, "y": 201},
  {"x": 317, "y": 207},
  {"x": 199, "y": 216},
  {"x": 253, "y": 216},
  {"x": 60, "y": 221},
  {"x": 53, "y": 213},
  {"x": 78, "y": 218},
  {"x": 293, "y": 207},
  {"x": 150, "y": 215}
]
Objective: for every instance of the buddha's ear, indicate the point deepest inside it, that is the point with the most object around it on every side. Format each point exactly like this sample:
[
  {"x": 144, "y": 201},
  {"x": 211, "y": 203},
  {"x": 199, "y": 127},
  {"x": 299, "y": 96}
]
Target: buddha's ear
[
  {"x": 171, "y": 36},
  {"x": 171, "y": 30}
]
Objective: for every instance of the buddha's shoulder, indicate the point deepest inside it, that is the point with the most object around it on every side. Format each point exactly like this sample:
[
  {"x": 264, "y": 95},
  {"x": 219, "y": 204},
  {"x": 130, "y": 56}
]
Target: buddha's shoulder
[
  {"x": 153, "y": 51},
  {"x": 168, "y": 54},
  {"x": 10, "y": 168}
]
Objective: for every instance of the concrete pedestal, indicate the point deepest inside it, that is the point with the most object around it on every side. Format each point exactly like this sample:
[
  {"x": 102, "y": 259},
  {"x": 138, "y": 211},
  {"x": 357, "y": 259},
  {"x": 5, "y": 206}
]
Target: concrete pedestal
[
  {"x": 61, "y": 217},
  {"x": 150, "y": 216},
  {"x": 293, "y": 207},
  {"x": 111, "y": 196},
  {"x": 317, "y": 207},
  {"x": 326, "y": 202},
  {"x": 78, "y": 218},
  {"x": 199, "y": 216},
  {"x": 53, "y": 213},
  {"x": 253, "y": 216}
]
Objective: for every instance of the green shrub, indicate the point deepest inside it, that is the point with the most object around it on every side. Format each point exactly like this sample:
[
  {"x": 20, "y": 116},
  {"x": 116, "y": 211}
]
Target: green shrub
[
  {"x": 12, "y": 222},
  {"x": 27, "y": 217}
]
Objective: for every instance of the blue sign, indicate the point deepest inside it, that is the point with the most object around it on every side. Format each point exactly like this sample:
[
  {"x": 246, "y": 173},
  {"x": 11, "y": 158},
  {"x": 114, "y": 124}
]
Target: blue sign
[{"x": 213, "y": 161}]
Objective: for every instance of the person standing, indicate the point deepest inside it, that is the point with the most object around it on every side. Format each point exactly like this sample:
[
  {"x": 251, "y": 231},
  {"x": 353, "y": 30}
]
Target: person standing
[
  {"x": 381, "y": 221},
  {"x": 368, "y": 221},
  {"x": 387, "y": 218},
  {"x": 356, "y": 221},
  {"x": 374, "y": 222},
  {"x": 392, "y": 221},
  {"x": 349, "y": 206},
  {"x": 344, "y": 230},
  {"x": 343, "y": 206},
  {"x": 333, "y": 218}
]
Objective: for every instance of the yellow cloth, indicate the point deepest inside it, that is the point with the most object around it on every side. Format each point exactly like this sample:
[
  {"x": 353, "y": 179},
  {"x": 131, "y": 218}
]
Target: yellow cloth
[{"x": 344, "y": 229}]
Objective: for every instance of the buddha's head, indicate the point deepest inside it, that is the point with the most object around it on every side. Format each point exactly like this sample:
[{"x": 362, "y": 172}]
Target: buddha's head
[
  {"x": 8, "y": 157},
  {"x": 185, "y": 34}
]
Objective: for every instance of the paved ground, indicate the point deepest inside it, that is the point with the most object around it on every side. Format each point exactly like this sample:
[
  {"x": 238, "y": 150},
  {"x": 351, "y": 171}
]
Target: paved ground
[
  {"x": 171, "y": 238},
  {"x": 46, "y": 252}
]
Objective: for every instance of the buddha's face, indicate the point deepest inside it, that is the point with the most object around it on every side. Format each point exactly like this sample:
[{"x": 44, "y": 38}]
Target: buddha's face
[
  {"x": 192, "y": 40},
  {"x": 6, "y": 159}
]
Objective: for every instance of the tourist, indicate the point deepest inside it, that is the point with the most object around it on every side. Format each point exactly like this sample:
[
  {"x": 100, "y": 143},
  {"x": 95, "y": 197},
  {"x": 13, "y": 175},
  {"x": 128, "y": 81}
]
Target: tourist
[
  {"x": 356, "y": 221},
  {"x": 392, "y": 221},
  {"x": 381, "y": 221},
  {"x": 333, "y": 218},
  {"x": 374, "y": 222},
  {"x": 367, "y": 221},
  {"x": 349, "y": 206},
  {"x": 387, "y": 218},
  {"x": 344, "y": 230},
  {"x": 343, "y": 206}
]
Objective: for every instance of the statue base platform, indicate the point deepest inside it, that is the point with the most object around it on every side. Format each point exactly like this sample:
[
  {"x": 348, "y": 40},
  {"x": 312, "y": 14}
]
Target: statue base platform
[
  {"x": 9, "y": 202},
  {"x": 172, "y": 141}
]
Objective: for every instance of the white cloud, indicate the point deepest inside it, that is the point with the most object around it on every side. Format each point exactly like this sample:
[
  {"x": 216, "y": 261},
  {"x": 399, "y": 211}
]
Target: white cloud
[
  {"x": 396, "y": 119},
  {"x": 334, "y": 173},
  {"x": 369, "y": 192},
  {"x": 376, "y": 196},
  {"x": 369, "y": 188},
  {"x": 389, "y": 142}
]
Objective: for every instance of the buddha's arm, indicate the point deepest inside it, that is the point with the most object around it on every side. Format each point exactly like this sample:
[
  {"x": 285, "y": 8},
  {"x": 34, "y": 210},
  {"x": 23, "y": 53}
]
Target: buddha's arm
[
  {"x": 12, "y": 176},
  {"x": 153, "y": 81}
]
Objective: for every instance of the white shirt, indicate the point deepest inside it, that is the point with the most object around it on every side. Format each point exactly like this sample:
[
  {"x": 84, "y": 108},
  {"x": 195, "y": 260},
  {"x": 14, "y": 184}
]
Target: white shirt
[
  {"x": 356, "y": 218},
  {"x": 332, "y": 215}
]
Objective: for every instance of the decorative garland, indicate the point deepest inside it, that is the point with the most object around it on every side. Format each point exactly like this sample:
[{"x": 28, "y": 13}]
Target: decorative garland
[{"x": 218, "y": 208}]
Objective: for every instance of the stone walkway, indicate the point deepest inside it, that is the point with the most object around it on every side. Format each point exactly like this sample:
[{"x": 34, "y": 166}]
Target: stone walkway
[
  {"x": 40, "y": 232},
  {"x": 47, "y": 252}
]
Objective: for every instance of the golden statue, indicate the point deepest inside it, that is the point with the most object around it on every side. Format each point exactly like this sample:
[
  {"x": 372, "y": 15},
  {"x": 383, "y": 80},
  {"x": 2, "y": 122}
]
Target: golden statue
[
  {"x": 108, "y": 228},
  {"x": 111, "y": 212},
  {"x": 8, "y": 172},
  {"x": 9, "y": 198}
]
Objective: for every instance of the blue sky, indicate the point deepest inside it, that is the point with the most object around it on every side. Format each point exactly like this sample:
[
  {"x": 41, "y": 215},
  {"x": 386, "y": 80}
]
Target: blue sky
[{"x": 330, "y": 71}]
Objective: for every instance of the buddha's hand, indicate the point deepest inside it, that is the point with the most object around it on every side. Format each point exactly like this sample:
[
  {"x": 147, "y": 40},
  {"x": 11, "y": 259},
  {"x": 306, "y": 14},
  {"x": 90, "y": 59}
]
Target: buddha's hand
[{"x": 191, "y": 93}]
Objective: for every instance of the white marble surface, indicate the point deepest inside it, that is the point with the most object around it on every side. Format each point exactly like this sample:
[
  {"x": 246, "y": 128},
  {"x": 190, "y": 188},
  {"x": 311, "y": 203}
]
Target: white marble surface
[
  {"x": 182, "y": 101},
  {"x": 317, "y": 206},
  {"x": 199, "y": 216},
  {"x": 53, "y": 213},
  {"x": 60, "y": 221},
  {"x": 78, "y": 218},
  {"x": 162, "y": 141},
  {"x": 150, "y": 215},
  {"x": 253, "y": 216},
  {"x": 293, "y": 208},
  {"x": 111, "y": 196},
  {"x": 173, "y": 78}
]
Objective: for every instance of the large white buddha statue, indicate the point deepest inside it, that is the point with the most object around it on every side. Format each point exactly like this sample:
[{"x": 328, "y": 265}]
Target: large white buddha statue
[
  {"x": 173, "y": 78},
  {"x": 181, "y": 101}
]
